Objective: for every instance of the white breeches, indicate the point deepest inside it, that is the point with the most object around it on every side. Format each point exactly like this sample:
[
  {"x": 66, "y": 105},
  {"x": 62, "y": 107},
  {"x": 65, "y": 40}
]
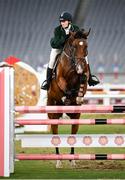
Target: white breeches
[{"x": 53, "y": 54}]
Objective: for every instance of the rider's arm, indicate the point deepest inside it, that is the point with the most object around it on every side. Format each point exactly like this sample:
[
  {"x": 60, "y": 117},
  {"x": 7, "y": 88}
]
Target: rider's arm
[{"x": 59, "y": 38}]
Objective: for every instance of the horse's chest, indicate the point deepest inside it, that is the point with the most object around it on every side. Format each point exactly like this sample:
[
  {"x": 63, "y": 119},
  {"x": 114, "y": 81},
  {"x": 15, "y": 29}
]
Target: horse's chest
[{"x": 73, "y": 80}]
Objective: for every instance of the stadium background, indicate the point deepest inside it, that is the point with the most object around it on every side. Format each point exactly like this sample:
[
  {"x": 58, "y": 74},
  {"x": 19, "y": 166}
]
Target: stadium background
[{"x": 26, "y": 27}]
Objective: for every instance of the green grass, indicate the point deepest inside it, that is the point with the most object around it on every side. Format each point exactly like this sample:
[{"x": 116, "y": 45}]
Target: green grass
[
  {"x": 84, "y": 169},
  {"x": 47, "y": 170}
]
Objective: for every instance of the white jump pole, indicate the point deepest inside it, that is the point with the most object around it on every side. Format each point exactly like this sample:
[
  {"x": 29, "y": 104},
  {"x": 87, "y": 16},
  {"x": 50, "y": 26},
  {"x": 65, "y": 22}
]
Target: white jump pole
[
  {"x": 12, "y": 117},
  {"x": 5, "y": 122}
]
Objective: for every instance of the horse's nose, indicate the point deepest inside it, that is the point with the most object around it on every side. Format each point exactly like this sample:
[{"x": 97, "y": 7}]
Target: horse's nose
[{"x": 79, "y": 69}]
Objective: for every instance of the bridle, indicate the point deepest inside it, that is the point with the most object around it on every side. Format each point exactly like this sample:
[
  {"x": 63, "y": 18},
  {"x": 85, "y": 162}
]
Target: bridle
[
  {"x": 70, "y": 54},
  {"x": 74, "y": 59},
  {"x": 77, "y": 65}
]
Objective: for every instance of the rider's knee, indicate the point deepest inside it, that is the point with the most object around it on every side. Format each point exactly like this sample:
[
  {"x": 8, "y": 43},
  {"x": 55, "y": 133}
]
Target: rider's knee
[{"x": 53, "y": 54}]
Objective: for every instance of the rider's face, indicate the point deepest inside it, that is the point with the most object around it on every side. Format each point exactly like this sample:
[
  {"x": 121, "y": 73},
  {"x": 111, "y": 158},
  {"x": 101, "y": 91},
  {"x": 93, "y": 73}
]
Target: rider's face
[{"x": 64, "y": 24}]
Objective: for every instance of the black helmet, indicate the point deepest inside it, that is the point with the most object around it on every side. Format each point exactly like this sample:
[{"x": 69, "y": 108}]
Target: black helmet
[{"x": 65, "y": 16}]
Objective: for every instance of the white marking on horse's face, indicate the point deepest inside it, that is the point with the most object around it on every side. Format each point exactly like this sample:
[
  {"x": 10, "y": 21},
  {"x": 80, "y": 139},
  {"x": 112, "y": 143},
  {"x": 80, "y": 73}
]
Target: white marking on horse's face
[{"x": 81, "y": 43}]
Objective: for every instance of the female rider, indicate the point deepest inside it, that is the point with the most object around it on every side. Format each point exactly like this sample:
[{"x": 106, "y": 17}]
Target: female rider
[{"x": 61, "y": 33}]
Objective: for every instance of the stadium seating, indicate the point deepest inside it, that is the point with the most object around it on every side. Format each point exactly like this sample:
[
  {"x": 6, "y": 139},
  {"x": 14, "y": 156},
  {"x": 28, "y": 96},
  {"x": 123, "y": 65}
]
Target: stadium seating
[{"x": 26, "y": 27}]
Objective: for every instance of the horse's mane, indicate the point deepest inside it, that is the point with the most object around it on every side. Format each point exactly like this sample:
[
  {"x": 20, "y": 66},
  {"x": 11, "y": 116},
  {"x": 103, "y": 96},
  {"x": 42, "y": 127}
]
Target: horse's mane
[{"x": 80, "y": 34}]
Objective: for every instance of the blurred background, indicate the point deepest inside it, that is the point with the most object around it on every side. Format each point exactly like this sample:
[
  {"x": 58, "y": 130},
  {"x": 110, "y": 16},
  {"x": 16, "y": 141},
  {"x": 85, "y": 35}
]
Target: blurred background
[{"x": 26, "y": 27}]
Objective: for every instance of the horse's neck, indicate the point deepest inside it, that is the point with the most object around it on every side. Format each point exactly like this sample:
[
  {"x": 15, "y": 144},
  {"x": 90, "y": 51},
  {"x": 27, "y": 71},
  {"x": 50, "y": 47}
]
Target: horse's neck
[
  {"x": 67, "y": 49},
  {"x": 66, "y": 64}
]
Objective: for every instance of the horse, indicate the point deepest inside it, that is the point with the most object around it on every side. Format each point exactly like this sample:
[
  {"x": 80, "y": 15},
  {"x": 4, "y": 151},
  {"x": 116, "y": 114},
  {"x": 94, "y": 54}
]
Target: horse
[{"x": 69, "y": 84}]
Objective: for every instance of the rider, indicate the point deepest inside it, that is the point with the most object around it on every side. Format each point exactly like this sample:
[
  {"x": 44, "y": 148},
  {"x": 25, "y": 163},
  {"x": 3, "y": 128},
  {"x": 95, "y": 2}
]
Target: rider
[{"x": 61, "y": 33}]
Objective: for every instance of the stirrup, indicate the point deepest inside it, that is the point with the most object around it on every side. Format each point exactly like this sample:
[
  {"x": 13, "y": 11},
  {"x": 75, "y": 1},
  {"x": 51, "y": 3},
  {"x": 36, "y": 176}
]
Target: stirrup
[
  {"x": 95, "y": 77},
  {"x": 93, "y": 82},
  {"x": 44, "y": 85}
]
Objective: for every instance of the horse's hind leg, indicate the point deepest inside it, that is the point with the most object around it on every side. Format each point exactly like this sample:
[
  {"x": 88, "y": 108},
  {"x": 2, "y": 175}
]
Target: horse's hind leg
[
  {"x": 55, "y": 131},
  {"x": 74, "y": 130}
]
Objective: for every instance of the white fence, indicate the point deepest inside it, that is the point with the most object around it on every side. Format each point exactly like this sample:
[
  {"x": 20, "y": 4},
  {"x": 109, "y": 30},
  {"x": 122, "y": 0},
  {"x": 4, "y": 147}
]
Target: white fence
[{"x": 107, "y": 93}]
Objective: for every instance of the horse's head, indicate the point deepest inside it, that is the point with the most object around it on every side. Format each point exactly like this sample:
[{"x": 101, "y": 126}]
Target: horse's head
[{"x": 77, "y": 47}]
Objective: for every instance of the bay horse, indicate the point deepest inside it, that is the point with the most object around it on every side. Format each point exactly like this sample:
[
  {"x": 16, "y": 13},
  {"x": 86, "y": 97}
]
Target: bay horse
[{"x": 69, "y": 84}]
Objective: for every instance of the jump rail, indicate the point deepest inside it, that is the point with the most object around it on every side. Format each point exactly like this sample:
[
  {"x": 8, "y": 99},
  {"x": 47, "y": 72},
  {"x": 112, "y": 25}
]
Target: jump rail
[
  {"x": 7, "y": 108},
  {"x": 70, "y": 157},
  {"x": 70, "y": 109},
  {"x": 69, "y": 122}
]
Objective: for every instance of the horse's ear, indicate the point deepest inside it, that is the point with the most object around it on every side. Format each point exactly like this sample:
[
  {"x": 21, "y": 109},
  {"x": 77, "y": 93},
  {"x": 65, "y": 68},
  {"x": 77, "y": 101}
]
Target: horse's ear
[
  {"x": 86, "y": 33},
  {"x": 83, "y": 30}
]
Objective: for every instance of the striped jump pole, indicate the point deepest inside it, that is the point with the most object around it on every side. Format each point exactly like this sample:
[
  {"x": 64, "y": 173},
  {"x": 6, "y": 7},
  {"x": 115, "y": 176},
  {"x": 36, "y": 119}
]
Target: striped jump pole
[
  {"x": 7, "y": 127},
  {"x": 69, "y": 122},
  {"x": 70, "y": 109},
  {"x": 70, "y": 157}
]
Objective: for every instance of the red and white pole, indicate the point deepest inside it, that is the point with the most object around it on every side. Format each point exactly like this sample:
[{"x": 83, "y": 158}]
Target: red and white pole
[{"x": 5, "y": 121}]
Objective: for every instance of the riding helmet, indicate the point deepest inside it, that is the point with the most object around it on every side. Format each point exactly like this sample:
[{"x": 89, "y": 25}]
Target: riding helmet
[{"x": 65, "y": 16}]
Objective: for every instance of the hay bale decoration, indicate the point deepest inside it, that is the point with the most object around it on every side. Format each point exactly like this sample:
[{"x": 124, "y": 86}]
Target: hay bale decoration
[{"x": 27, "y": 86}]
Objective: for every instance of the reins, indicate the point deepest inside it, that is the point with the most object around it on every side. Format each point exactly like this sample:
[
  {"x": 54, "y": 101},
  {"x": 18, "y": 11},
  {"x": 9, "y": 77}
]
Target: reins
[{"x": 72, "y": 57}]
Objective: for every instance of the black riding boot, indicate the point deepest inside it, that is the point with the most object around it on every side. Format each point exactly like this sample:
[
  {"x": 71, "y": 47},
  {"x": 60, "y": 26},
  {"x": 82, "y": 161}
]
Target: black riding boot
[
  {"x": 46, "y": 83},
  {"x": 93, "y": 80}
]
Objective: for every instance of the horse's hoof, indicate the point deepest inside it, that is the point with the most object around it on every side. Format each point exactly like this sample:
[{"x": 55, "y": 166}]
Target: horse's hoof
[
  {"x": 58, "y": 164},
  {"x": 73, "y": 163}
]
